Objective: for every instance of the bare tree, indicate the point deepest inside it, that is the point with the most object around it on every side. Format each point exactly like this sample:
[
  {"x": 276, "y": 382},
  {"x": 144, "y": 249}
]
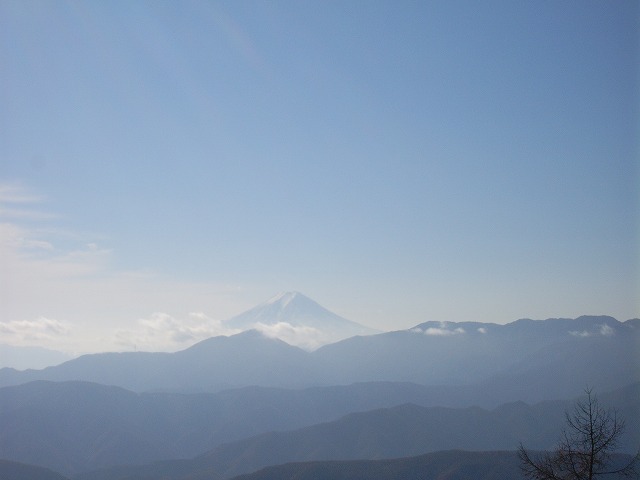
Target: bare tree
[{"x": 585, "y": 448}]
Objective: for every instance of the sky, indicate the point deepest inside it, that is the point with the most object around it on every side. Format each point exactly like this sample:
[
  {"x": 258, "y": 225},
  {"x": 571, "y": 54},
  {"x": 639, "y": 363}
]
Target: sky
[{"x": 167, "y": 165}]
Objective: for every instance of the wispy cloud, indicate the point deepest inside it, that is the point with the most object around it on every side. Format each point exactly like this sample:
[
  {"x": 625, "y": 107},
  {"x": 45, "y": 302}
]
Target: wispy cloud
[
  {"x": 34, "y": 332},
  {"x": 16, "y": 193},
  {"x": 161, "y": 331},
  {"x": 604, "y": 330},
  {"x": 442, "y": 330},
  {"x": 19, "y": 203},
  {"x": 27, "y": 251},
  {"x": 305, "y": 337},
  {"x": 47, "y": 273},
  {"x": 583, "y": 333},
  {"x": 24, "y": 214}
]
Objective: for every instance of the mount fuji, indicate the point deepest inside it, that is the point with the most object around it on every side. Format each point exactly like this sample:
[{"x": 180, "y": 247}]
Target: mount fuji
[{"x": 298, "y": 320}]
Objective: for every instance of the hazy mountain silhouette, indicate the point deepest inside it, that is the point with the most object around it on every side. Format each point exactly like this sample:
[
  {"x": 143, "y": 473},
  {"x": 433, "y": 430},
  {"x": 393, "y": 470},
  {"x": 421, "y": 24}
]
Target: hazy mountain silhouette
[
  {"x": 399, "y": 431},
  {"x": 298, "y": 320},
  {"x": 19, "y": 471},
  {"x": 75, "y": 426},
  {"x": 509, "y": 362},
  {"x": 248, "y": 358},
  {"x": 22, "y": 358},
  {"x": 504, "y": 362},
  {"x": 448, "y": 465}
]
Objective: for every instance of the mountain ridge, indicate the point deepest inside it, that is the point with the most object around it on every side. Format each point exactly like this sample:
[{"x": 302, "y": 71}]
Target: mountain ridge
[
  {"x": 386, "y": 433},
  {"x": 442, "y": 465},
  {"x": 511, "y": 359},
  {"x": 29, "y": 357}
]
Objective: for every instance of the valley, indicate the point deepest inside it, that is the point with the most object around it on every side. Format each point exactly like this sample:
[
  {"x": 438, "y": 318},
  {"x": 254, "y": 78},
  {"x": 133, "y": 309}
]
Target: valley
[{"x": 233, "y": 405}]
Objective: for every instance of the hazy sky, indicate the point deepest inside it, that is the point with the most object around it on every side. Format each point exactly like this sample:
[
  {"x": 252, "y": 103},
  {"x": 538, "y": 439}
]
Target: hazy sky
[{"x": 167, "y": 165}]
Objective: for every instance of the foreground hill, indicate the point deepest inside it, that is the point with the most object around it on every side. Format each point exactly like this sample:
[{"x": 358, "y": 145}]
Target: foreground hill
[
  {"x": 20, "y": 471},
  {"x": 448, "y": 465},
  {"x": 387, "y": 433},
  {"x": 506, "y": 362},
  {"x": 76, "y": 426}
]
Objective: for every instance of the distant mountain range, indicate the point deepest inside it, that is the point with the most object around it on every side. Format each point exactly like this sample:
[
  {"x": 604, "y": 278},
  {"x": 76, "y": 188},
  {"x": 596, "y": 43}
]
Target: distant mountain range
[
  {"x": 19, "y": 471},
  {"x": 400, "y": 431},
  {"x": 513, "y": 359},
  {"x": 232, "y": 405},
  {"x": 488, "y": 364},
  {"x": 74, "y": 427},
  {"x": 451, "y": 465},
  {"x": 447, "y": 465},
  {"x": 290, "y": 316},
  {"x": 444, "y": 465},
  {"x": 22, "y": 358}
]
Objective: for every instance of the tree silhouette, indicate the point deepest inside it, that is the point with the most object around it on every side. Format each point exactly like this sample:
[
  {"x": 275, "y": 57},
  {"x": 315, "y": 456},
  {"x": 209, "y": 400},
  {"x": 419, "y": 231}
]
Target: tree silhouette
[{"x": 585, "y": 449}]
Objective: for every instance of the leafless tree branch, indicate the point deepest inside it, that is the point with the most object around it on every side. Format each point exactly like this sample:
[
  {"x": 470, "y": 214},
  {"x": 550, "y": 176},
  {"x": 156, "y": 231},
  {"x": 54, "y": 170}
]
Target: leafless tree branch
[{"x": 585, "y": 448}]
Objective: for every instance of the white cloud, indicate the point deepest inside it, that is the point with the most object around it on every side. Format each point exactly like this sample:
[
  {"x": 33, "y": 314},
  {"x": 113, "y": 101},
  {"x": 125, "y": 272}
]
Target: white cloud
[
  {"x": 17, "y": 193},
  {"x": 606, "y": 330},
  {"x": 482, "y": 330},
  {"x": 38, "y": 245},
  {"x": 22, "y": 213},
  {"x": 583, "y": 333},
  {"x": 29, "y": 252},
  {"x": 441, "y": 331},
  {"x": 33, "y": 332},
  {"x": 162, "y": 331},
  {"x": 48, "y": 273},
  {"x": 305, "y": 337},
  {"x": 17, "y": 202}
]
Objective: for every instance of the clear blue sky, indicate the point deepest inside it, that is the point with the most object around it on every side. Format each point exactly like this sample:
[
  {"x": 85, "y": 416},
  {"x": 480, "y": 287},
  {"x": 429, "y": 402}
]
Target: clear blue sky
[{"x": 396, "y": 161}]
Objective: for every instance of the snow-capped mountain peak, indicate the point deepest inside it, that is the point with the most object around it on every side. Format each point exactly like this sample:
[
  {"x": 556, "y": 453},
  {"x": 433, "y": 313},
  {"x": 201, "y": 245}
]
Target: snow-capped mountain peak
[
  {"x": 298, "y": 320},
  {"x": 285, "y": 298}
]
